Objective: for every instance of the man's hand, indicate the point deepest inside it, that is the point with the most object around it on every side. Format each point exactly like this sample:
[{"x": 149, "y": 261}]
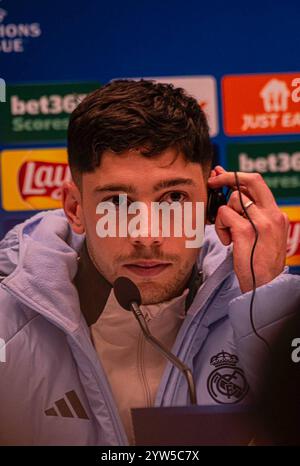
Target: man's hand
[{"x": 232, "y": 226}]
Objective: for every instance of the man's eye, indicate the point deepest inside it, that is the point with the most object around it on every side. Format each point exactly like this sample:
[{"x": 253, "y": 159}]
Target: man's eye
[{"x": 174, "y": 196}]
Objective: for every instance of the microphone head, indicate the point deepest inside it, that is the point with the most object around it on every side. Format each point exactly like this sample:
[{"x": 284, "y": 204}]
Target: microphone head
[{"x": 126, "y": 292}]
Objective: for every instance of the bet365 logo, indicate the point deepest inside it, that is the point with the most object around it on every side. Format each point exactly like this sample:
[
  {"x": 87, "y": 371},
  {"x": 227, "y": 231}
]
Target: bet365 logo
[{"x": 2, "y": 90}]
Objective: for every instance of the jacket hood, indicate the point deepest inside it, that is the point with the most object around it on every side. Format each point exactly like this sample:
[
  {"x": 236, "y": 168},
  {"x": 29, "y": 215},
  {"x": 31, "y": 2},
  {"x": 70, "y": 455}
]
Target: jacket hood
[
  {"x": 40, "y": 228},
  {"x": 47, "y": 243}
]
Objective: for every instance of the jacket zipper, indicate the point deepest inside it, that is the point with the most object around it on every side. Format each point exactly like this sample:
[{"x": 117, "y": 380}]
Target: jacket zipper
[{"x": 142, "y": 369}]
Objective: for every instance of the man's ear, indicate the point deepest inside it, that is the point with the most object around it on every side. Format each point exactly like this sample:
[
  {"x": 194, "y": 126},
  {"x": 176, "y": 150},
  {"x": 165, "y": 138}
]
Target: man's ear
[{"x": 71, "y": 198}]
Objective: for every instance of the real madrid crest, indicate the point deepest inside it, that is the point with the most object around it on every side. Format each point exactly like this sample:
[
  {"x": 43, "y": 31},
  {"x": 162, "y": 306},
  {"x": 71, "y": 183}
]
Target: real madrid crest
[{"x": 227, "y": 383}]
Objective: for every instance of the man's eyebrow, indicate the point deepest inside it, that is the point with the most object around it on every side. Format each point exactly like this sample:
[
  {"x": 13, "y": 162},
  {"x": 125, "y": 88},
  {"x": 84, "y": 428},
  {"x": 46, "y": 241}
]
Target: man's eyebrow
[
  {"x": 173, "y": 182},
  {"x": 128, "y": 188},
  {"x": 115, "y": 188}
]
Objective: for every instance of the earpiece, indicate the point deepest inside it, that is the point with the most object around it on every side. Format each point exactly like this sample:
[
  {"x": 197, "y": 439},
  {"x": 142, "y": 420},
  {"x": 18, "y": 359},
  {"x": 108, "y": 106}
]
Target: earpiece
[{"x": 216, "y": 198}]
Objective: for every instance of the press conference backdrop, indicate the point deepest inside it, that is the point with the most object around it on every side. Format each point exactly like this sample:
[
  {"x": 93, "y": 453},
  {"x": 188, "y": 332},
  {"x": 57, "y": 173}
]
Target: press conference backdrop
[{"x": 241, "y": 62}]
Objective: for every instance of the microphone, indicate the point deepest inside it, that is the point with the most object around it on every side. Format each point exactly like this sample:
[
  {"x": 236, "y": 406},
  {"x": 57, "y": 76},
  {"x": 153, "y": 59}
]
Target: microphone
[{"x": 128, "y": 296}]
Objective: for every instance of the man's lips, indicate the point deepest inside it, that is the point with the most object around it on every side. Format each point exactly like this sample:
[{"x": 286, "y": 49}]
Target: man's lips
[{"x": 147, "y": 268}]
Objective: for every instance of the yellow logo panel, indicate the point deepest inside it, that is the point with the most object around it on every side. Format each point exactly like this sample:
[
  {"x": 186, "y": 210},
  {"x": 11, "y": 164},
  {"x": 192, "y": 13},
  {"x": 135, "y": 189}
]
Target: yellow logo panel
[
  {"x": 293, "y": 249},
  {"x": 31, "y": 179}
]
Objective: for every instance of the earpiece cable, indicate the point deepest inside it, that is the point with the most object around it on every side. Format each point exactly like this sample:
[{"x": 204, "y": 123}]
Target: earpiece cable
[{"x": 251, "y": 261}]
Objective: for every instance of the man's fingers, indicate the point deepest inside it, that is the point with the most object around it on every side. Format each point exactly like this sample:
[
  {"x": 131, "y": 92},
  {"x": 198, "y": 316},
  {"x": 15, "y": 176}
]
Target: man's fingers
[
  {"x": 235, "y": 203},
  {"x": 226, "y": 219},
  {"x": 250, "y": 183},
  {"x": 224, "y": 235}
]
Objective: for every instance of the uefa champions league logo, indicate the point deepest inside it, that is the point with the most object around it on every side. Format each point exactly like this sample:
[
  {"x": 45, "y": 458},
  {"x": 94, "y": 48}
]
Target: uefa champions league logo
[{"x": 14, "y": 36}]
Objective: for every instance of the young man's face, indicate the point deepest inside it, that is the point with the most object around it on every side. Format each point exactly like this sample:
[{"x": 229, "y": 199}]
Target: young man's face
[{"x": 159, "y": 266}]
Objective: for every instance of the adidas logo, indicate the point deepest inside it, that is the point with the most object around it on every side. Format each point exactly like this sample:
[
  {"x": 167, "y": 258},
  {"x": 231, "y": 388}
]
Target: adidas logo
[{"x": 69, "y": 406}]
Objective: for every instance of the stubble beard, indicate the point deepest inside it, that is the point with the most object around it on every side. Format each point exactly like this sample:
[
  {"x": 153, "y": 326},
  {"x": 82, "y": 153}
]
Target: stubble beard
[{"x": 152, "y": 291}]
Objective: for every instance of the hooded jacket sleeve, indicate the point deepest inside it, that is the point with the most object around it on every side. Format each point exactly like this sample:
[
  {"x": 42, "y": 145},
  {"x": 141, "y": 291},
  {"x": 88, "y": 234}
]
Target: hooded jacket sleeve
[
  {"x": 9, "y": 252},
  {"x": 257, "y": 332}
]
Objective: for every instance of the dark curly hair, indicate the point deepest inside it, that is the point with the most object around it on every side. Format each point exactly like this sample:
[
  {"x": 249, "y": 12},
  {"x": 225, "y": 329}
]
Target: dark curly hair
[{"x": 143, "y": 115}]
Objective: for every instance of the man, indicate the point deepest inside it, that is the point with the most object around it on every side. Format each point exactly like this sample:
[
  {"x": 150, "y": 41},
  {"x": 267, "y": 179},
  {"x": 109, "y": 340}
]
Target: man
[{"x": 76, "y": 362}]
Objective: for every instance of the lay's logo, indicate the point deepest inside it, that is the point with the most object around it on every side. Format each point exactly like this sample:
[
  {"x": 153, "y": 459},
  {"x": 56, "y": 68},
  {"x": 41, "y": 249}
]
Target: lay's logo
[
  {"x": 32, "y": 179},
  {"x": 42, "y": 179}
]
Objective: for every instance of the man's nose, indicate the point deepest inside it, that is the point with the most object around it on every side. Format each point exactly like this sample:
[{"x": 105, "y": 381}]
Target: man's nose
[
  {"x": 146, "y": 241},
  {"x": 143, "y": 233}
]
